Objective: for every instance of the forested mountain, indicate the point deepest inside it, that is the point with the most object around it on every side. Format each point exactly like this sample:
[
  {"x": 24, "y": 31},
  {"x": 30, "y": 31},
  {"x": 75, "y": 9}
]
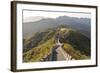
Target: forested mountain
[
  {"x": 41, "y": 43},
  {"x": 81, "y": 24}
]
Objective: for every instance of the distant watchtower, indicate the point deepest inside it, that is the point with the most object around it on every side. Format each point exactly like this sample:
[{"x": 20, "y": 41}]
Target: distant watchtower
[{"x": 57, "y": 37}]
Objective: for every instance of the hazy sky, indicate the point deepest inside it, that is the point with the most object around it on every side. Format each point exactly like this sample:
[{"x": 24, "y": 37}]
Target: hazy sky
[{"x": 29, "y": 16}]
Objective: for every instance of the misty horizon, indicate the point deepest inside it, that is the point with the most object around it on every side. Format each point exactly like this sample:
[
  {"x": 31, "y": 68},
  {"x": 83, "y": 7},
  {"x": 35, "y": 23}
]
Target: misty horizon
[
  {"x": 38, "y": 18},
  {"x": 28, "y": 16}
]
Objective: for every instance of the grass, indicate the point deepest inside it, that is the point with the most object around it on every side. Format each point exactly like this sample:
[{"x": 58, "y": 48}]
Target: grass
[
  {"x": 74, "y": 43},
  {"x": 74, "y": 53},
  {"x": 37, "y": 53}
]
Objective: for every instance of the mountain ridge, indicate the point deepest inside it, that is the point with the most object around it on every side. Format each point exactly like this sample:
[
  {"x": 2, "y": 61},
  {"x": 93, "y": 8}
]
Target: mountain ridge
[
  {"x": 74, "y": 42},
  {"x": 81, "y": 24}
]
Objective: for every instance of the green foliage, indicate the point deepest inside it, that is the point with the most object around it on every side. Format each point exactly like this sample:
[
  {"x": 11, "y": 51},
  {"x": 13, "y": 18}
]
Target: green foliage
[
  {"x": 37, "y": 53},
  {"x": 40, "y": 44},
  {"x": 37, "y": 39},
  {"x": 74, "y": 53},
  {"x": 78, "y": 41}
]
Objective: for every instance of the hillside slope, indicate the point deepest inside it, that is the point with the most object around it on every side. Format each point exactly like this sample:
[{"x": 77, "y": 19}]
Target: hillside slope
[{"x": 40, "y": 45}]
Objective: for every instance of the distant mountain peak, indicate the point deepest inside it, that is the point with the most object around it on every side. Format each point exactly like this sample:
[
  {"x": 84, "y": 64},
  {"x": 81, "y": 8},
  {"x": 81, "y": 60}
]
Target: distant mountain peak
[{"x": 81, "y": 24}]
